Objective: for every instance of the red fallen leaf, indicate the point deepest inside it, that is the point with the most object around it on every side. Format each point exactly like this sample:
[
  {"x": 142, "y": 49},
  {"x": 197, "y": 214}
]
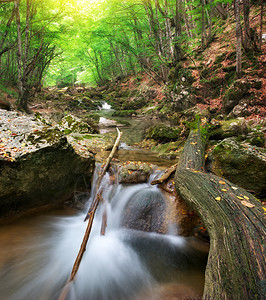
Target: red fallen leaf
[{"x": 13, "y": 134}]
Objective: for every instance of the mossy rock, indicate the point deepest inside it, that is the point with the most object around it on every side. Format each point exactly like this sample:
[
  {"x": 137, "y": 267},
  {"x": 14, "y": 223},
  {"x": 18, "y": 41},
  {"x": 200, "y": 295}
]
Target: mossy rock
[
  {"x": 71, "y": 124},
  {"x": 134, "y": 172},
  {"x": 44, "y": 169},
  {"x": 242, "y": 164},
  {"x": 229, "y": 128},
  {"x": 235, "y": 93},
  {"x": 136, "y": 103},
  {"x": 163, "y": 133},
  {"x": 47, "y": 135}
]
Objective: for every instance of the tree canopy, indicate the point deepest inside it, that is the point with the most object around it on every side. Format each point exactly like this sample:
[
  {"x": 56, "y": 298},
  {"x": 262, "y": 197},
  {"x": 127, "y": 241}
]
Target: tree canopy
[{"x": 73, "y": 42}]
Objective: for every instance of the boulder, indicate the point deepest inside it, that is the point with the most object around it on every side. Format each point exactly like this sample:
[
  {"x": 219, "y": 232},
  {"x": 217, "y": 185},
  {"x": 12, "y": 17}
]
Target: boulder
[
  {"x": 240, "y": 110},
  {"x": 145, "y": 211},
  {"x": 37, "y": 164},
  {"x": 163, "y": 133},
  {"x": 229, "y": 128},
  {"x": 182, "y": 99},
  {"x": 241, "y": 163},
  {"x": 235, "y": 93},
  {"x": 134, "y": 172}
]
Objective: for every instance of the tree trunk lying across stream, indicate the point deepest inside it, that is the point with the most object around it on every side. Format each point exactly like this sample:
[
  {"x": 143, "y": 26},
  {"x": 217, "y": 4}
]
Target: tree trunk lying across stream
[{"x": 234, "y": 220}]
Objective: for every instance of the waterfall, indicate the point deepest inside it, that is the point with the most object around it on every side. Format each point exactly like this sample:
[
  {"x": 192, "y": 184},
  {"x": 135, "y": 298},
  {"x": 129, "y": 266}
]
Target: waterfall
[{"x": 122, "y": 264}]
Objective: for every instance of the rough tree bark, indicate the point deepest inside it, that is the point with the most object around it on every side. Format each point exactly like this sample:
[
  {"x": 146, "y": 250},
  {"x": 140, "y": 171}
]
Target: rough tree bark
[
  {"x": 238, "y": 39},
  {"x": 19, "y": 51},
  {"x": 234, "y": 220}
]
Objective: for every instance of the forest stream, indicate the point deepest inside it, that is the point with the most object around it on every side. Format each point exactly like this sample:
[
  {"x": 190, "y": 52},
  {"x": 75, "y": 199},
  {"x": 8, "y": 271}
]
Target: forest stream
[{"x": 38, "y": 251}]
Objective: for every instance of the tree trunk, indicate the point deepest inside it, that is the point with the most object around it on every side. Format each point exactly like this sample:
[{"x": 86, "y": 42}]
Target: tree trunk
[
  {"x": 19, "y": 51},
  {"x": 247, "y": 37},
  {"x": 261, "y": 23},
  {"x": 203, "y": 29},
  {"x": 234, "y": 220},
  {"x": 238, "y": 39}
]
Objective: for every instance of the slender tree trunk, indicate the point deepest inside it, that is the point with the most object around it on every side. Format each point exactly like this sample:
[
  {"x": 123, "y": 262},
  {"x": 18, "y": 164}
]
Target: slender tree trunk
[
  {"x": 210, "y": 23},
  {"x": 19, "y": 55},
  {"x": 115, "y": 51},
  {"x": 261, "y": 23},
  {"x": 203, "y": 29},
  {"x": 222, "y": 12},
  {"x": 247, "y": 37},
  {"x": 238, "y": 39}
]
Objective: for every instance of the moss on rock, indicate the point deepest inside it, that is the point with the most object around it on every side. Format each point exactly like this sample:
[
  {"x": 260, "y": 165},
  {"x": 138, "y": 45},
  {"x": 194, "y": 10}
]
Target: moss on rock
[
  {"x": 243, "y": 164},
  {"x": 134, "y": 172},
  {"x": 163, "y": 133}
]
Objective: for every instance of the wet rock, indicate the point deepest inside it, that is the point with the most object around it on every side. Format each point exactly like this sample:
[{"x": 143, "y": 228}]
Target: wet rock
[
  {"x": 241, "y": 163},
  {"x": 134, "y": 172},
  {"x": 180, "y": 216},
  {"x": 37, "y": 164},
  {"x": 145, "y": 211}
]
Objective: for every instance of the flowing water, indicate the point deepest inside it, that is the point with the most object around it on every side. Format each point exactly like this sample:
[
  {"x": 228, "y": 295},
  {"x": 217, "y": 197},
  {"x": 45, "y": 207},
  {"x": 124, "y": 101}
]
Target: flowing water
[{"x": 37, "y": 253}]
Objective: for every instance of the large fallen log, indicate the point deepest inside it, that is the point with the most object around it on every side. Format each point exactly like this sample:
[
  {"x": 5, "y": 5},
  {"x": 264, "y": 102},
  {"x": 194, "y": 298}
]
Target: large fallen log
[{"x": 235, "y": 222}]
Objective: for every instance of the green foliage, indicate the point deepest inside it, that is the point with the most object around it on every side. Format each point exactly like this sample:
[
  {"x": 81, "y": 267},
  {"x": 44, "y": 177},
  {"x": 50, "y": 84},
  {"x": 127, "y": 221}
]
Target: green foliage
[{"x": 94, "y": 42}]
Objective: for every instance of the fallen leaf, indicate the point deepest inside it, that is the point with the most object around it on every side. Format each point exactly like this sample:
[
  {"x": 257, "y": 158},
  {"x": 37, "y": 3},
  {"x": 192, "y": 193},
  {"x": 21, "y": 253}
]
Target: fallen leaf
[
  {"x": 247, "y": 198},
  {"x": 221, "y": 182},
  {"x": 193, "y": 143},
  {"x": 247, "y": 204},
  {"x": 224, "y": 190},
  {"x": 234, "y": 188},
  {"x": 241, "y": 198},
  {"x": 218, "y": 198}
]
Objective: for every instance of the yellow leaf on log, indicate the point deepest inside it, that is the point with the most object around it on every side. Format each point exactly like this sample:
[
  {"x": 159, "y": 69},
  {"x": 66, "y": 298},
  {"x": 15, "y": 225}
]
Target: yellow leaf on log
[
  {"x": 247, "y": 204},
  {"x": 218, "y": 198},
  {"x": 221, "y": 182},
  {"x": 241, "y": 198}
]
